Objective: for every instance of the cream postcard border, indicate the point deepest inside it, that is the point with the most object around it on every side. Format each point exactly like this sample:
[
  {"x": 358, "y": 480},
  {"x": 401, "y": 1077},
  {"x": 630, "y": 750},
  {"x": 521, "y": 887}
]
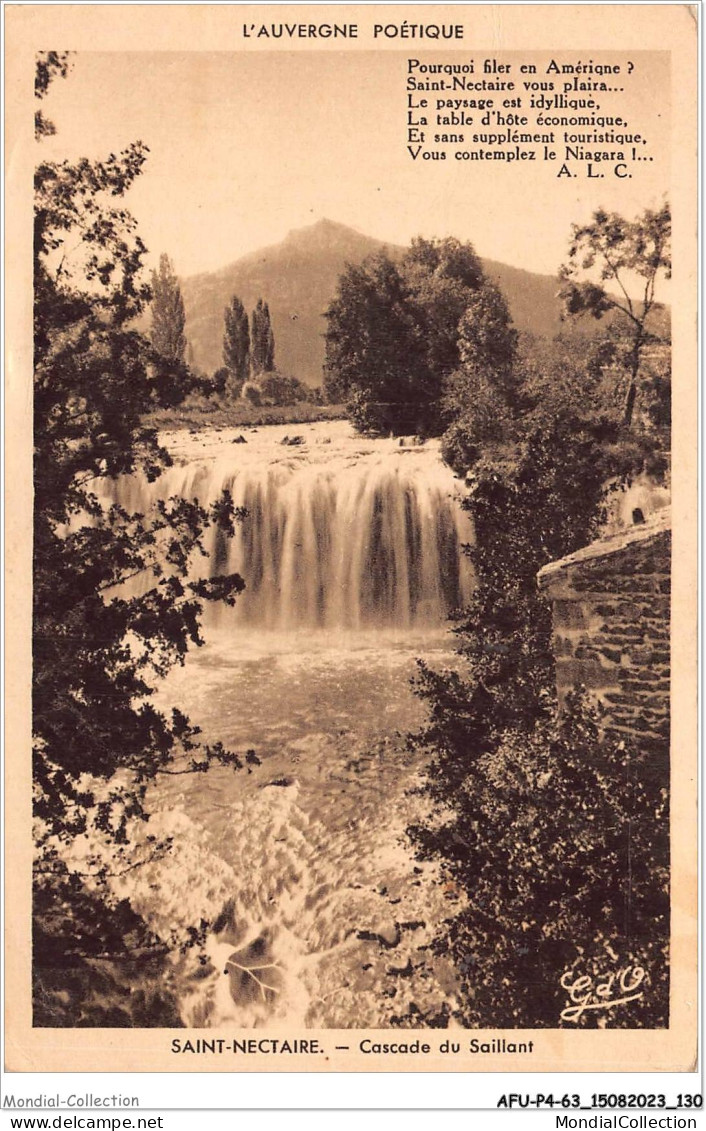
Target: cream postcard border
[{"x": 158, "y": 27}]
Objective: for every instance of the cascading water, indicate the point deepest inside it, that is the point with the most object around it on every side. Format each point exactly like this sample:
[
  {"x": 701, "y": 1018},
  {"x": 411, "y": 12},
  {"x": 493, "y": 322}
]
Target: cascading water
[
  {"x": 340, "y": 533},
  {"x": 352, "y": 556}
]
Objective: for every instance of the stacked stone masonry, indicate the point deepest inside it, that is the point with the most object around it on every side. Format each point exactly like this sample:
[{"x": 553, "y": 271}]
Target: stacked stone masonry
[{"x": 611, "y": 621}]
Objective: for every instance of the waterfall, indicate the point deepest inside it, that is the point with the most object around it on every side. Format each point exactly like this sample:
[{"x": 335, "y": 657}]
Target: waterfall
[
  {"x": 358, "y": 535},
  {"x": 352, "y": 554}
]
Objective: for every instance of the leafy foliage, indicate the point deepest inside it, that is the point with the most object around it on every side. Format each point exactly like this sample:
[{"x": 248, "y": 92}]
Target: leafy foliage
[
  {"x": 236, "y": 347},
  {"x": 534, "y": 495},
  {"x": 49, "y": 65},
  {"x": 98, "y": 642},
  {"x": 262, "y": 340},
  {"x": 168, "y": 317},
  {"x": 563, "y": 851},
  {"x": 535, "y": 817},
  {"x": 96, "y": 965},
  {"x": 278, "y": 389},
  {"x": 371, "y": 341},
  {"x": 613, "y": 252},
  {"x": 393, "y": 333},
  {"x": 478, "y": 401}
]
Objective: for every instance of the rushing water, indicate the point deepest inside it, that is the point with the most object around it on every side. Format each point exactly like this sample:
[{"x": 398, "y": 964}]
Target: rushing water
[
  {"x": 341, "y": 533},
  {"x": 352, "y": 556}
]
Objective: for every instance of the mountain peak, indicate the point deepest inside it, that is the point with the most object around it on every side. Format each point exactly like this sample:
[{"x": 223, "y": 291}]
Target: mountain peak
[
  {"x": 322, "y": 225},
  {"x": 323, "y": 233}
]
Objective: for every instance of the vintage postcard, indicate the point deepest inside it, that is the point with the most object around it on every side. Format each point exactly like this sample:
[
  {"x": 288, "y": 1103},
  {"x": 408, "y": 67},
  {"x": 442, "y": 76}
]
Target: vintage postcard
[{"x": 351, "y": 561}]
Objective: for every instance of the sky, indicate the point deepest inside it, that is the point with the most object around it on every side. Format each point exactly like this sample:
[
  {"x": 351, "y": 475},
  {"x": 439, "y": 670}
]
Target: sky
[{"x": 247, "y": 147}]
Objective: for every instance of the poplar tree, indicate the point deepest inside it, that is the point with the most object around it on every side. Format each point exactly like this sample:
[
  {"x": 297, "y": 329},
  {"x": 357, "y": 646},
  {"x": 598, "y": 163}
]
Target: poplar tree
[
  {"x": 236, "y": 346},
  {"x": 262, "y": 338},
  {"x": 168, "y": 318}
]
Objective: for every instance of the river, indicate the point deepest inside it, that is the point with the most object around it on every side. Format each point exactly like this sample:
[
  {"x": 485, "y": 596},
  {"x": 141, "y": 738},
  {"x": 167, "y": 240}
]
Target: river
[{"x": 352, "y": 556}]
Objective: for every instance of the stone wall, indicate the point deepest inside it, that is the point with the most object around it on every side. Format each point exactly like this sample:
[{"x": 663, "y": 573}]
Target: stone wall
[{"x": 610, "y": 607}]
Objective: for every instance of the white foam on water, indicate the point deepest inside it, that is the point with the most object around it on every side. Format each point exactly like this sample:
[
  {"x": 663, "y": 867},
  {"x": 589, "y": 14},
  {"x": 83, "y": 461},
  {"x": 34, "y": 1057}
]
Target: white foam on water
[
  {"x": 341, "y": 533},
  {"x": 351, "y": 553}
]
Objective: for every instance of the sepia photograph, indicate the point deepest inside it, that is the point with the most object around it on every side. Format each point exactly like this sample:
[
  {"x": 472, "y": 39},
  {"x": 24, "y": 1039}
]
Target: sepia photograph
[{"x": 351, "y": 440}]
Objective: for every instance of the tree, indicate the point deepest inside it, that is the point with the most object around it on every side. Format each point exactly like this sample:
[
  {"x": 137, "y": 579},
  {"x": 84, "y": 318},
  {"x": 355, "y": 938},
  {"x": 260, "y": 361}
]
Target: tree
[
  {"x": 168, "y": 316},
  {"x": 262, "y": 340},
  {"x": 98, "y": 739},
  {"x": 372, "y": 342},
  {"x": 236, "y": 346},
  {"x": 49, "y": 65},
  {"x": 504, "y": 772},
  {"x": 478, "y": 398},
  {"x": 278, "y": 389},
  {"x": 445, "y": 277},
  {"x": 618, "y": 252},
  {"x": 393, "y": 334},
  {"x": 562, "y": 845}
]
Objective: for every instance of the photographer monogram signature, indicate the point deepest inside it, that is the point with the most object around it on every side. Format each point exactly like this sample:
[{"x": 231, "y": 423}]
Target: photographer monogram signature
[{"x": 605, "y": 991}]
